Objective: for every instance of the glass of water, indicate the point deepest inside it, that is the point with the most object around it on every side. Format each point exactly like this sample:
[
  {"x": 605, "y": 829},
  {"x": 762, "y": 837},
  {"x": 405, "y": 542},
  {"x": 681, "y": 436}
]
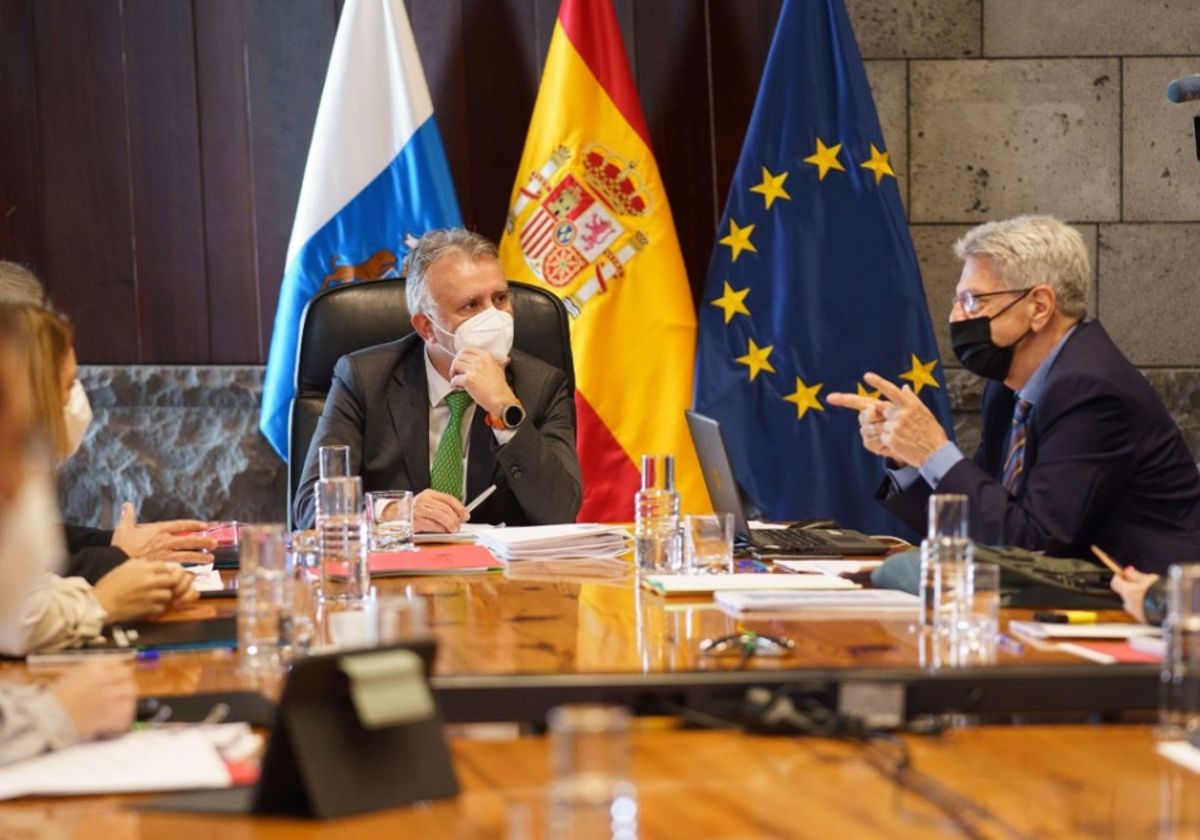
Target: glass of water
[
  {"x": 708, "y": 544},
  {"x": 390, "y": 517}
]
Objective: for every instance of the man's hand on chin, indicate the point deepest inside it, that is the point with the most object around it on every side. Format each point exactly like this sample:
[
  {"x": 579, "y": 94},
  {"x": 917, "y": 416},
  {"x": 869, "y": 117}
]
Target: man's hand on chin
[{"x": 478, "y": 373}]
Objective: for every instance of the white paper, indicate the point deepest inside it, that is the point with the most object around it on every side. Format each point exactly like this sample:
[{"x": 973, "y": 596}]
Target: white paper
[
  {"x": 701, "y": 584},
  {"x": 550, "y": 542},
  {"x": 206, "y": 578},
  {"x": 466, "y": 533},
  {"x": 146, "y": 760},
  {"x": 1181, "y": 752},
  {"x": 854, "y": 603},
  {"x": 828, "y": 566},
  {"x": 1047, "y": 630}
]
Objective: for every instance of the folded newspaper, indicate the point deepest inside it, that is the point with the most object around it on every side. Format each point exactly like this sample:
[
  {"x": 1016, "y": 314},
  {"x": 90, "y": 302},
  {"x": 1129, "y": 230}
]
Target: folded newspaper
[{"x": 557, "y": 542}]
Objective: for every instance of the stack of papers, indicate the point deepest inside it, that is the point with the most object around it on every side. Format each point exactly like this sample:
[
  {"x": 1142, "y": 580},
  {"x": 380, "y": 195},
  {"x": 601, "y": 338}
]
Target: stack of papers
[
  {"x": 704, "y": 584},
  {"x": 1114, "y": 630},
  {"x": 466, "y": 533},
  {"x": 556, "y": 542},
  {"x": 853, "y": 603}
]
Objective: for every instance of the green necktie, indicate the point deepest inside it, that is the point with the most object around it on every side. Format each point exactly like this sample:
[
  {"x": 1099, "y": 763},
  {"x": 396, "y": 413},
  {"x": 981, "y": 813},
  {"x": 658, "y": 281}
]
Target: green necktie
[{"x": 446, "y": 474}]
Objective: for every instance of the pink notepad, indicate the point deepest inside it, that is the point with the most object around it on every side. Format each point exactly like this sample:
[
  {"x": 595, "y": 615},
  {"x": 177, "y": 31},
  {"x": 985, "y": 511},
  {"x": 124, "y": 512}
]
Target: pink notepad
[{"x": 432, "y": 560}]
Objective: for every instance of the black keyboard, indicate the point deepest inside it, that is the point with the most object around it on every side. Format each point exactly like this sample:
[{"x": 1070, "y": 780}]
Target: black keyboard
[{"x": 794, "y": 538}]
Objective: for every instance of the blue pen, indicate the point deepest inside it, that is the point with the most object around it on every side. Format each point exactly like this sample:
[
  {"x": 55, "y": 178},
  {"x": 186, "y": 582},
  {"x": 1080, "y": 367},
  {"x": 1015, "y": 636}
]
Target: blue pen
[{"x": 1010, "y": 644}]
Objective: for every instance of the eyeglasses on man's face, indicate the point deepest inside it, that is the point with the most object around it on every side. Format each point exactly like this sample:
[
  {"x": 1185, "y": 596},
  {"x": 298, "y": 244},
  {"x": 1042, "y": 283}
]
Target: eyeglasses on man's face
[{"x": 970, "y": 302}]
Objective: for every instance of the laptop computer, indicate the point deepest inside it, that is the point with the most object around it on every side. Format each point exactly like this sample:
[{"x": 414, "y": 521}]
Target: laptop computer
[{"x": 723, "y": 491}]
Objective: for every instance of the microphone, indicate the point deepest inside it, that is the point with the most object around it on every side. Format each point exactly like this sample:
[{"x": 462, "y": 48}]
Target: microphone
[{"x": 1184, "y": 89}]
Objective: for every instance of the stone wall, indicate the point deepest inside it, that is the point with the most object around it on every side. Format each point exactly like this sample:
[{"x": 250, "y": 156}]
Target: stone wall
[
  {"x": 989, "y": 110},
  {"x": 175, "y": 441}
]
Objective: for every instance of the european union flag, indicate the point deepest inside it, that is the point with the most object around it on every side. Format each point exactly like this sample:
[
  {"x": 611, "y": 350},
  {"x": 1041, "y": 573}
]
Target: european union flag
[{"x": 813, "y": 281}]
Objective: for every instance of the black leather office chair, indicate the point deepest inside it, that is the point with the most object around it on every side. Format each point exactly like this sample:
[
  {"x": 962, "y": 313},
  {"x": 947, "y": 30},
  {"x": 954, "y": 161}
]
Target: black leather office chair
[{"x": 346, "y": 318}]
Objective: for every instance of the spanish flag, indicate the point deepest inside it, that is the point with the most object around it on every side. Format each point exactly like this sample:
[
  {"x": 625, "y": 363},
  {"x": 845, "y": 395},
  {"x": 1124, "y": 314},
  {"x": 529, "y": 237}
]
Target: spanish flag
[{"x": 589, "y": 220}]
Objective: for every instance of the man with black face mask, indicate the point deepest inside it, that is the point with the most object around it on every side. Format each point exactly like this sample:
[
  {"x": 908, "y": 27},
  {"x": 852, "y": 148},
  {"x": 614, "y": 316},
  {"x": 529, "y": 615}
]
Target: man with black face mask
[{"x": 1077, "y": 448}]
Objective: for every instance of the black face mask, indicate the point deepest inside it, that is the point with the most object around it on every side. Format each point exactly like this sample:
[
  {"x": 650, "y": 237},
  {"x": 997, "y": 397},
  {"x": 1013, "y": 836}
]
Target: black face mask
[{"x": 971, "y": 340}]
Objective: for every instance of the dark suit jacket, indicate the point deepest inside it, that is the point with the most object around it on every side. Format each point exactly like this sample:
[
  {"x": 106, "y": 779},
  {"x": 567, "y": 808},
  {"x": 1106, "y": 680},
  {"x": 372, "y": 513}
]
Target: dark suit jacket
[
  {"x": 1104, "y": 464},
  {"x": 92, "y": 554},
  {"x": 379, "y": 405}
]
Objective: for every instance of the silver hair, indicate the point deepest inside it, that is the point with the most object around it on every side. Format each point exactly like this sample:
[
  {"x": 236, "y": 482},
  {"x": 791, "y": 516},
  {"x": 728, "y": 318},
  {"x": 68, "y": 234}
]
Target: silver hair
[
  {"x": 20, "y": 285},
  {"x": 433, "y": 246},
  {"x": 1034, "y": 251}
]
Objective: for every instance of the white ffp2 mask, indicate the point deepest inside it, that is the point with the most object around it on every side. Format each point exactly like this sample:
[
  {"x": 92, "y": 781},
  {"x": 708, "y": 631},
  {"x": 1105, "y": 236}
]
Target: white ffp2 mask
[
  {"x": 77, "y": 416},
  {"x": 490, "y": 330}
]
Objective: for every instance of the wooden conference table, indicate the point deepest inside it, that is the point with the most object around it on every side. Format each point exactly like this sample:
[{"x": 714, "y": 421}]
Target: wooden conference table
[
  {"x": 509, "y": 648},
  {"x": 1066, "y": 781}
]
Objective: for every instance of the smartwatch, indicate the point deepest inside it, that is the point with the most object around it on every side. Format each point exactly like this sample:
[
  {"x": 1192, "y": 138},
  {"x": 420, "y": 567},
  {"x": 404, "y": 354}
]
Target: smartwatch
[{"x": 510, "y": 417}]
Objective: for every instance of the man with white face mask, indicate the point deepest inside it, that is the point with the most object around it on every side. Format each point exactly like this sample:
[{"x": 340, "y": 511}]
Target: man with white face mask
[{"x": 452, "y": 410}]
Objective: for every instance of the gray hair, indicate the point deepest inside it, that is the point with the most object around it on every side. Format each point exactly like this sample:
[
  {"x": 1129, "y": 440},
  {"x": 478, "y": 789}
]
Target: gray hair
[
  {"x": 1034, "y": 251},
  {"x": 20, "y": 285},
  {"x": 433, "y": 246}
]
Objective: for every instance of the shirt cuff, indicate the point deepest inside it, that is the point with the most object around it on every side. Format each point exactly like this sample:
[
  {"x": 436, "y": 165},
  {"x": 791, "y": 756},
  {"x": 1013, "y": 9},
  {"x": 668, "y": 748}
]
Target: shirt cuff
[
  {"x": 939, "y": 463},
  {"x": 503, "y": 436},
  {"x": 903, "y": 477}
]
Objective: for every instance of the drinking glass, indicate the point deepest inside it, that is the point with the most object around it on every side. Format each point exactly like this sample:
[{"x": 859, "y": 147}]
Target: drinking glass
[
  {"x": 708, "y": 547},
  {"x": 590, "y": 794},
  {"x": 390, "y": 518},
  {"x": 1179, "y": 697},
  {"x": 334, "y": 460},
  {"x": 342, "y": 540}
]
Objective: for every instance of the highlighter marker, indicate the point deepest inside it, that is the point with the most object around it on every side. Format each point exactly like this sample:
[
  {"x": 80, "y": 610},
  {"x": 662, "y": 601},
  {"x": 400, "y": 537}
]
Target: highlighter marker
[{"x": 1066, "y": 617}]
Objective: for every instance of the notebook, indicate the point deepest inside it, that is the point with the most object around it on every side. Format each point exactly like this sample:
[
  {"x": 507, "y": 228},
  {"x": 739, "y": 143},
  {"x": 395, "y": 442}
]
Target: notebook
[{"x": 723, "y": 491}]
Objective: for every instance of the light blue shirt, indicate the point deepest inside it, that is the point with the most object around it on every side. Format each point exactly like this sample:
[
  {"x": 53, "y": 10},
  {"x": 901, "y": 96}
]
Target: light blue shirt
[{"x": 948, "y": 454}]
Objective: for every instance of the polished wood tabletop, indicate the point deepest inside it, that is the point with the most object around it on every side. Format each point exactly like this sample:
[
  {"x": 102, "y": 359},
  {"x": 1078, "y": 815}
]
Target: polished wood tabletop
[
  {"x": 493, "y": 625},
  {"x": 989, "y": 782}
]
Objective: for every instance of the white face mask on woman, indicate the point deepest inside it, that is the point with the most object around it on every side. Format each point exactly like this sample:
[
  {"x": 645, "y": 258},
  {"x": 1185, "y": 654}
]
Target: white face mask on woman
[
  {"x": 490, "y": 330},
  {"x": 77, "y": 416}
]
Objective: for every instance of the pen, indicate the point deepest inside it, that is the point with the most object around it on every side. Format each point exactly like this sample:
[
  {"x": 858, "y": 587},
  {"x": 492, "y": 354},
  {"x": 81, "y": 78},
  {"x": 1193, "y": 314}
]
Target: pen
[
  {"x": 1107, "y": 560},
  {"x": 1010, "y": 644},
  {"x": 1066, "y": 617},
  {"x": 75, "y": 657},
  {"x": 478, "y": 500}
]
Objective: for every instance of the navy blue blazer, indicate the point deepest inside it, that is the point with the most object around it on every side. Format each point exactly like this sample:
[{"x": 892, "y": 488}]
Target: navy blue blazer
[{"x": 1104, "y": 464}]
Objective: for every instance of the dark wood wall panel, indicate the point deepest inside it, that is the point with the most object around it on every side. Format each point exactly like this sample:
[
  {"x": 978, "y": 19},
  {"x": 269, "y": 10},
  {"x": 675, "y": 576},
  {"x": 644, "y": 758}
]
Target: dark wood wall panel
[
  {"x": 156, "y": 147},
  {"x": 673, "y": 84},
  {"x": 234, "y": 318},
  {"x": 83, "y": 130},
  {"x": 740, "y": 52},
  {"x": 168, "y": 202},
  {"x": 20, "y": 210},
  {"x": 503, "y": 66},
  {"x": 288, "y": 46}
]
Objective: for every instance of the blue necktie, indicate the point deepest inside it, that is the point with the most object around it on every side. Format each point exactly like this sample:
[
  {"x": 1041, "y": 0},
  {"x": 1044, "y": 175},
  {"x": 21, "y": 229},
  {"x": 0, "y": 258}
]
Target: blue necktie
[{"x": 1013, "y": 474}]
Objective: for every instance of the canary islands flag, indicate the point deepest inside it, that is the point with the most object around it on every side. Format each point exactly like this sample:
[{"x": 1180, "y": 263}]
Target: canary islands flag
[
  {"x": 376, "y": 176},
  {"x": 813, "y": 281},
  {"x": 589, "y": 220}
]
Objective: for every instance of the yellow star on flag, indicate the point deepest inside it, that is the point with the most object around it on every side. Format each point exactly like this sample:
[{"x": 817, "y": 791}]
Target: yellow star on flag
[
  {"x": 826, "y": 159},
  {"x": 879, "y": 164},
  {"x": 771, "y": 187},
  {"x": 739, "y": 239},
  {"x": 805, "y": 398},
  {"x": 756, "y": 359},
  {"x": 732, "y": 302},
  {"x": 864, "y": 391},
  {"x": 921, "y": 374}
]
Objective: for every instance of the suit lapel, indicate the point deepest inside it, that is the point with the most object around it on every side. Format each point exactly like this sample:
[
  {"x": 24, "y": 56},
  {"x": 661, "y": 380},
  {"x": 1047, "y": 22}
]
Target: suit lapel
[{"x": 409, "y": 409}]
